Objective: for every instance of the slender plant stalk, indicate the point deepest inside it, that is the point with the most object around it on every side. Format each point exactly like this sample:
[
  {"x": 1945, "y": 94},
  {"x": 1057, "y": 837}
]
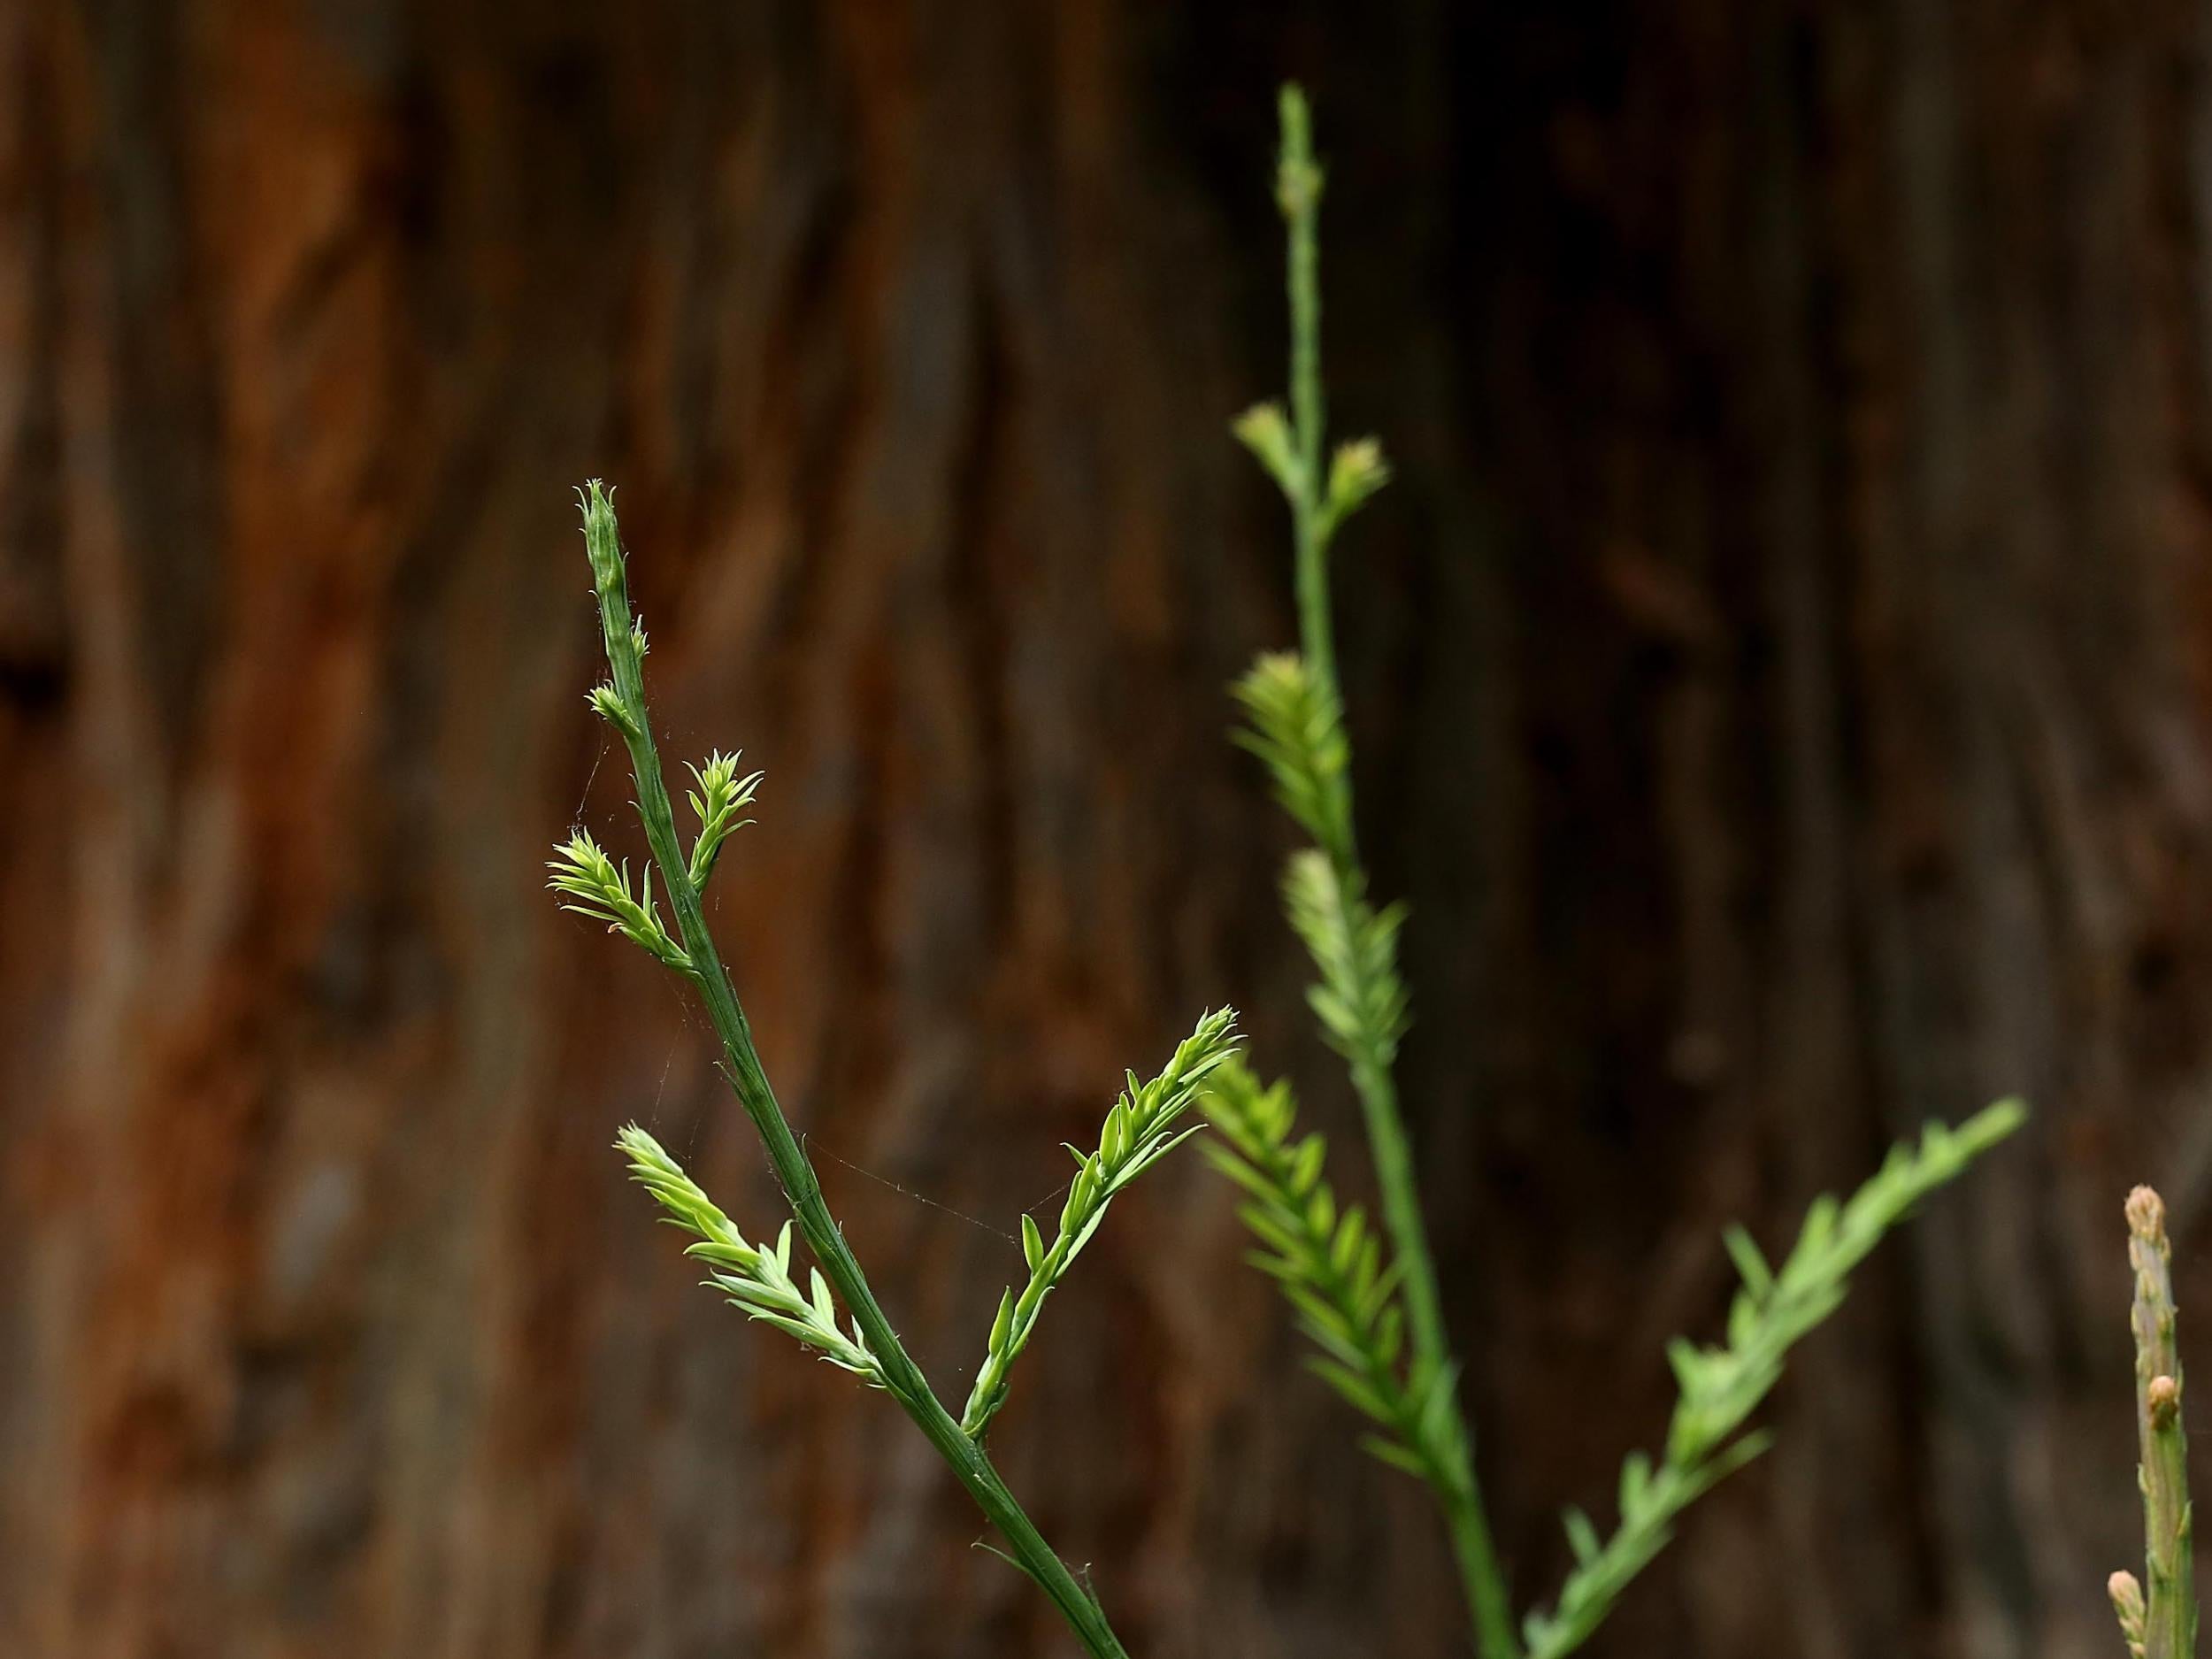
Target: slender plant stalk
[
  {"x": 1360, "y": 1000},
  {"x": 623, "y": 704},
  {"x": 2162, "y": 1624},
  {"x": 1380, "y": 1330}
]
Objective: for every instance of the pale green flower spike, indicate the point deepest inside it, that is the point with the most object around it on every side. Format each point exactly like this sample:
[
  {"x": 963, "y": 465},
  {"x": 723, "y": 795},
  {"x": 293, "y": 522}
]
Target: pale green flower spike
[
  {"x": 756, "y": 1279},
  {"x": 1721, "y": 1386},
  {"x": 1139, "y": 1132},
  {"x": 721, "y": 796},
  {"x": 590, "y": 884},
  {"x": 1329, "y": 1264}
]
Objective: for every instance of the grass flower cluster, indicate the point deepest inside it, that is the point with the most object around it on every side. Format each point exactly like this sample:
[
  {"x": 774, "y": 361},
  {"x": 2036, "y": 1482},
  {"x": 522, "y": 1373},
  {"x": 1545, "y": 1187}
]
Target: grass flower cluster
[
  {"x": 755, "y": 1277},
  {"x": 1142, "y": 1128},
  {"x": 1720, "y": 1386},
  {"x": 592, "y": 885},
  {"x": 1330, "y": 1264}
]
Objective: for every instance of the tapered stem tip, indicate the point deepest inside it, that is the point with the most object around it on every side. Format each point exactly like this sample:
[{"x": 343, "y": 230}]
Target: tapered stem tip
[{"x": 2146, "y": 1215}]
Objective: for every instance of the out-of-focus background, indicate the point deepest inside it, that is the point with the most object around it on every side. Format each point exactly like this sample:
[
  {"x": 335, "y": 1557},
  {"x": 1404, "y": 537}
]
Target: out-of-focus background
[{"x": 1780, "y": 673}]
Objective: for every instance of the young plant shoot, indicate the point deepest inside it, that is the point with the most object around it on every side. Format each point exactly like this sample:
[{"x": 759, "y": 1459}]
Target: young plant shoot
[
  {"x": 2158, "y": 1621},
  {"x": 1296, "y": 713},
  {"x": 836, "y": 1315},
  {"x": 1377, "y": 1322}
]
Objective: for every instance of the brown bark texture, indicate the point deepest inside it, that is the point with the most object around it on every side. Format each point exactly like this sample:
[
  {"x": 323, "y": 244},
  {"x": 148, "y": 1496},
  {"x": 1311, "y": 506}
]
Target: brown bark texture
[{"x": 1781, "y": 673}]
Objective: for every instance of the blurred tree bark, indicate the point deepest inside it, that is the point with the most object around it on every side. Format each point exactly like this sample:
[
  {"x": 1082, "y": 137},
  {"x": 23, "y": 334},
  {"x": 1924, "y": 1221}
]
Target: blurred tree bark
[{"x": 1782, "y": 675}]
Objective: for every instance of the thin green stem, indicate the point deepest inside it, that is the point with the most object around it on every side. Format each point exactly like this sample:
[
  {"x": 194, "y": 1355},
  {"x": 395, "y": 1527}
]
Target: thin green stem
[
  {"x": 1476, "y": 1554},
  {"x": 1473, "y": 1548},
  {"x": 1298, "y": 193},
  {"x": 2165, "y": 1616},
  {"x": 1315, "y": 509},
  {"x": 803, "y": 1191}
]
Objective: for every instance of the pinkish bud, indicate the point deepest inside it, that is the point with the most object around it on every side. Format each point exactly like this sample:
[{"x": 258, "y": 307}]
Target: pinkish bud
[
  {"x": 2146, "y": 1214},
  {"x": 2126, "y": 1594},
  {"x": 2164, "y": 1397}
]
